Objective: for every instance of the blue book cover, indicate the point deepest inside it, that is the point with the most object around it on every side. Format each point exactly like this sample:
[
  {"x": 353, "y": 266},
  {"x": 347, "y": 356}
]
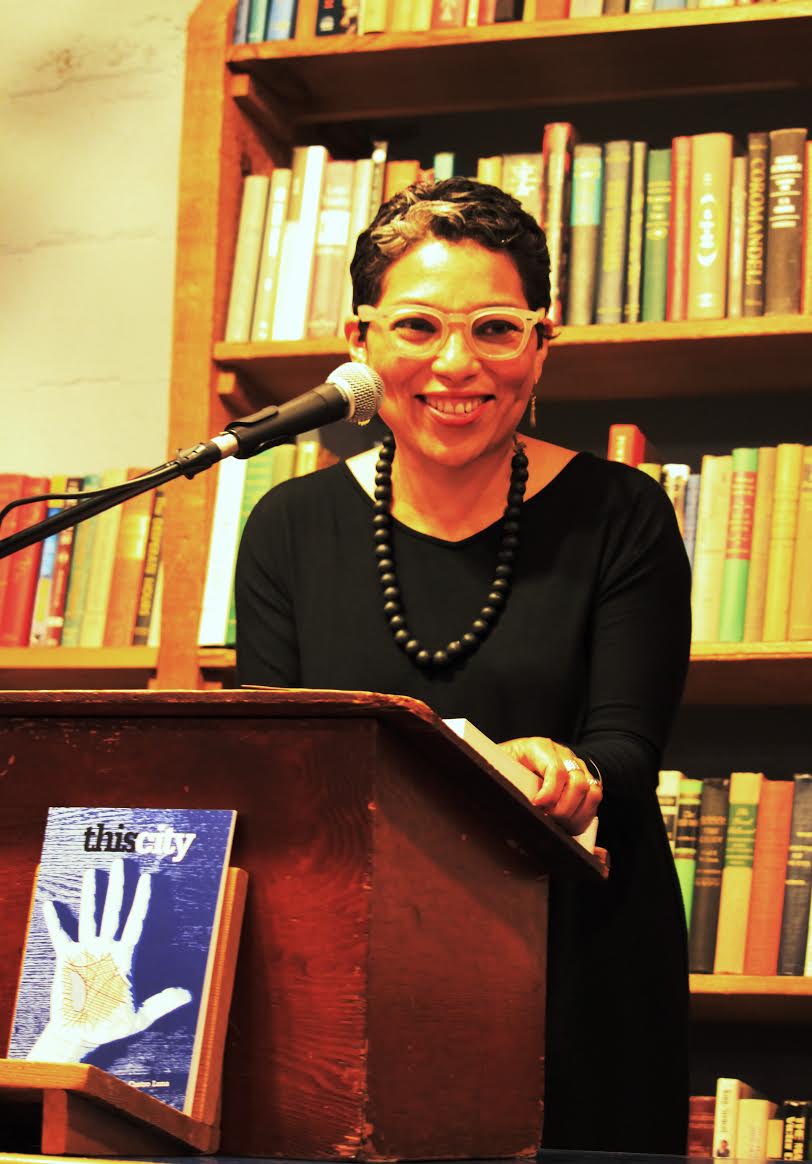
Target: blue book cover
[
  {"x": 281, "y": 24},
  {"x": 119, "y": 951}
]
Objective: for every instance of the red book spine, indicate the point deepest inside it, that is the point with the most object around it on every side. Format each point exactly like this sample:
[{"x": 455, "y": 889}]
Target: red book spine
[
  {"x": 701, "y": 1110},
  {"x": 11, "y": 487},
  {"x": 23, "y": 571},
  {"x": 769, "y": 873},
  {"x": 627, "y": 444},
  {"x": 676, "y": 301}
]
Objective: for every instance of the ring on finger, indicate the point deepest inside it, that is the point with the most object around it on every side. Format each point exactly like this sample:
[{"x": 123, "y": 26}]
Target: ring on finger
[{"x": 572, "y": 766}]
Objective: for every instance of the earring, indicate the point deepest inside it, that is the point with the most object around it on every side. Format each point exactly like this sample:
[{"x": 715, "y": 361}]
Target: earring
[{"x": 532, "y": 409}]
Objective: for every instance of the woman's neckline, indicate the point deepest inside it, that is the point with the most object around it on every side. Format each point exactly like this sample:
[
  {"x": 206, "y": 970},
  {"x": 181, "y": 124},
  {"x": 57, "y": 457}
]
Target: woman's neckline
[{"x": 542, "y": 492}]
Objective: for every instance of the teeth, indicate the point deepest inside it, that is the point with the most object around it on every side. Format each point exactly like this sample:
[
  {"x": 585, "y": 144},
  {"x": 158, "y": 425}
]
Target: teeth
[{"x": 459, "y": 407}]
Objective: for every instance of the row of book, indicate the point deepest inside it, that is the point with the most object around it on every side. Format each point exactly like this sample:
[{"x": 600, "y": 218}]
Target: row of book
[
  {"x": 743, "y": 852},
  {"x": 737, "y": 1122},
  {"x": 746, "y": 518},
  {"x": 240, "y": 485},
  {"x": 635, "y": 234},
  {"x": 93, "y": 585},
  {"x": 264, "y": 20}
]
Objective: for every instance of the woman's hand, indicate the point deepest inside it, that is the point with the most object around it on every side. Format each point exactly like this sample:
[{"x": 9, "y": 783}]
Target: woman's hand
[{"x": 568, "y": 791}]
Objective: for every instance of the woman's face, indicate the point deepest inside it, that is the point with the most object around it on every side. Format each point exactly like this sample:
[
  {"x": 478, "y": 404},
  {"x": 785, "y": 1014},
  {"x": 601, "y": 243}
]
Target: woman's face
[{"x": 493, "y": 394}]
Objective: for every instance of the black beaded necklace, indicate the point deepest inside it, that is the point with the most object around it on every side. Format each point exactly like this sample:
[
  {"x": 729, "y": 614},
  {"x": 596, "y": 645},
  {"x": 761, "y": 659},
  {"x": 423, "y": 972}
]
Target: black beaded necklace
[{"x": 488, "y": 616}]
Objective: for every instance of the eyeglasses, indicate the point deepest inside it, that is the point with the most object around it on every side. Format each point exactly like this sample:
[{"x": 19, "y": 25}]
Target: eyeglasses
[{"x": 492, "y": 333}]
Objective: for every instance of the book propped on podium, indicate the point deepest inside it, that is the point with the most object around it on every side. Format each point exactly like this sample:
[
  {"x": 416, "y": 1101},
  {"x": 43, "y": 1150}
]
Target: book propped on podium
[
  {"x": 519, "y": 776},
  {"x": 128, "y": 965}
]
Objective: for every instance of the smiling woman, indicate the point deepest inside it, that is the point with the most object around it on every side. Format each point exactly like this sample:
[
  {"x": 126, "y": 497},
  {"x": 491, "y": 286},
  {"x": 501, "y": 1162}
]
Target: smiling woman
[{"x": 541, "y": 593}]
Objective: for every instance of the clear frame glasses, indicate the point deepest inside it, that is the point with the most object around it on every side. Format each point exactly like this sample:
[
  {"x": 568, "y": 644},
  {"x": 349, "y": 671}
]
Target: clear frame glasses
[{"x": 492, "y": 333}]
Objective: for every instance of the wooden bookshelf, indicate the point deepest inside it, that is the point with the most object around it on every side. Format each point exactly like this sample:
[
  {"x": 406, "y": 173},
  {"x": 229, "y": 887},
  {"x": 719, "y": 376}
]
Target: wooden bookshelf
[
  {"x": 42, "y": 668},
  {"x": 751, "y": 998},
  {"x": 750, "y": 674},
  {"x": 600, "y": 362}
]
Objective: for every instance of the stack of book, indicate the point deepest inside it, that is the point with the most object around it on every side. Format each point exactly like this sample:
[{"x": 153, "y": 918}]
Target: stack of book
[
  {"x": 688, "y": 231},
  {"x": 97, "y": 584},
  {"x": 240, "y": 485},
  {"x": 737, "y": 1122},
  {"x": 746, "y": 519},
  {"x": 743, "y": 851}
]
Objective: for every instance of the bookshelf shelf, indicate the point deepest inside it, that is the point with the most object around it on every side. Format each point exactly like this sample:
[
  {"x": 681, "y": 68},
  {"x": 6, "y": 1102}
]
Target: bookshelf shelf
[
  {"x": 38, "y": 668},
  {"x": 542, "y": 62},
  {"x": 647, "y": 360},
  {"x": 744, "y": 997}
]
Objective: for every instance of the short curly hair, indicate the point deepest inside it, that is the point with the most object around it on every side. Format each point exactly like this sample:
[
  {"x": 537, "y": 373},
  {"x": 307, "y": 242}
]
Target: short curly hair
[{"x": 454, "y": 209}]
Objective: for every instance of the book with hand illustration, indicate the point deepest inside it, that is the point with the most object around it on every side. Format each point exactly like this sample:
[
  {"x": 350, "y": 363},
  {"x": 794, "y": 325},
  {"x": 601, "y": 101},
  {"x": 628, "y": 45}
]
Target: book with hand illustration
[{"x": 120, "y": 947}]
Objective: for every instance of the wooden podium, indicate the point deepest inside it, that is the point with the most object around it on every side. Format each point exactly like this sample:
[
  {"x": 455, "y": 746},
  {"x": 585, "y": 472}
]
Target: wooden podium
[{"x": 390, "y": 989}]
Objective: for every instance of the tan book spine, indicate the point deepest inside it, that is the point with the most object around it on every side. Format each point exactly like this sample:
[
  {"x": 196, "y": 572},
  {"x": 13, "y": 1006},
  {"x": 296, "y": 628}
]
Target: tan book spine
[
  {"x": 762, "y": 518},
  {"x": 806, "y": 257},
  {"x": 268, "y": 274},
  {"x": 709, "y": 552},
  {"x": 738, "y": 232},
  {"x": 128, "y": 567},
  {"x": 783, "y": 530},
  {"x": 97, "y": 597},
  {"x": 373, "y": 16},
  {"x": 399, "y": 175},
  {"x": 246, "y": 257},
  {"x": 709, "y": 230},
  {"x": 489, "y": 170},
  {"x": 737, "y": 873},
  {"x": 800, "y": 606}
]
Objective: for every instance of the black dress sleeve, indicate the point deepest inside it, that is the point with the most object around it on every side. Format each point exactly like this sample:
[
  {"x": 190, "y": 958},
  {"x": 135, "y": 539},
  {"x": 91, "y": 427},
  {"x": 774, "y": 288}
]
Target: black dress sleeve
[
  {"x": 640, "y": 643},
  {"x": 267, "y": 649}
]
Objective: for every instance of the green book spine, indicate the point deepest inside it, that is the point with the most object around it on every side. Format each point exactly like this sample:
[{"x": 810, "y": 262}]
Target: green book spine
[
  {"x": 617, "y": 165},
  {"x": 80, "y": 570},
  {"x": 258, "y": 480},
  {"x": 690, "y": 793},
  {"x": 257, "y": 19},
  {"x": 710, "y": 855},
  {"x": 585, "y": 225},
  {"x": 738, "y": 546},
  {"x": 655, "y": 235}
]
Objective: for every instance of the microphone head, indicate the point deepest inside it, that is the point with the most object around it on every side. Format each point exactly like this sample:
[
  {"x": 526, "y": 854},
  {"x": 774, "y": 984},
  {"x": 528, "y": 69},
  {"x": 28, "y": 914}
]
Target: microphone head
[{"x": 363, "y": 389}]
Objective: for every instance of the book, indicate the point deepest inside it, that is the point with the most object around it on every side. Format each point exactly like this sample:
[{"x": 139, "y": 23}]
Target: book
[
  {"x": 298, "y": 243},
  {"x": 268, "y": 269},
  {"x": 308, "y": 451},
  {"x": 222, "y": 553},
  {"x": 656, "y": 235},
  {"x": 257, "y": 20},
  {"x": 38, "y": 631},
  {"x": 247, "y": 252},
  {"x": 334, "y": 18},
  {"x": 806, "y": 243},
  {"x": 100, "y": 567},
  {"x": 757, "y": 146},
  {"x": 676, "y": 303},
  {"x": 738, "y": 233},
  {"x": 359, "y": 220},
  {"x": 398, "y": 175},
  {"x": 120, "y": 946},
  {"x": 330, "y": 255},
  {"x": 783, "y": 534},
  {"x": 522, "y": 176},
  {"x": 709, "y": 224},
  {"x": 11, "y": 488},
  {"x": 448, "y": 14},
  {"x": 710, "y": 854},
  {"x": 729, "y": 1093},
  {"x": 709, "y": 548},
  {"x": 240, "y": 34},
  {"x": 751, "y": 1127},
  {"x": 612, "y": 249},
  {"x": 690, "y": 514},
  {"x": 489, "y": 170},
  {"x": 259, "y": 477},
  {"x": 281, "y": 21},
  {"x": 634, "y": 246},
  {"x": 585, "y": 224},
  {"x": 23, "y": 571},
  {"x": 784, "y": 230},
  {"x": 556, "y": 151},
  {"x": 149, "y": 578},
  {"x": 668, "y": 796},
  {"x": 738, "y": 545},
  {"x": 800, "y": 604},
  {"x": 687, "y": 833},
  {"x": 81, "y": 557},
  {"x": 674, "y": 480},
  {"x": 737, "y": 872},
  {"x": 797, "y": 1117},
  {"x": 762, "y": 518},
  {"x": 701, "y": 1109},
  {"x": 128, "y": 567},
  {"x": 798, "y": 881},
  {"x": 627, "y": 444},
  {"x": 63, "y": 563},
  {"x": 520, "y": 777},
  {"x": 769, "y": 874}
]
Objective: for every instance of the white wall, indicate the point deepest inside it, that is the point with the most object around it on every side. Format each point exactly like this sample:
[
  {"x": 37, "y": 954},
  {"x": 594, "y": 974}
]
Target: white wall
[{"x": 90, "y": 109}]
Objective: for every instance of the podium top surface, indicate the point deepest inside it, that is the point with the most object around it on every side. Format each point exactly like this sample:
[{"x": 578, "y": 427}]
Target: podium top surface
[{"x": 409, "y": 718}]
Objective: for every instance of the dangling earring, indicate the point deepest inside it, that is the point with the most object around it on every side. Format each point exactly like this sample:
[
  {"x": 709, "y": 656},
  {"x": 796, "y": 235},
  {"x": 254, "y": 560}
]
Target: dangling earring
[{"x": 533, "y": 409}]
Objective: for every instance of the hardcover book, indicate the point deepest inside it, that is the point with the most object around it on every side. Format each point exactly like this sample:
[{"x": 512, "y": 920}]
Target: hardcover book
[
  {"x": 120, "y": 947},
  {"x": 710, "y": 855}
]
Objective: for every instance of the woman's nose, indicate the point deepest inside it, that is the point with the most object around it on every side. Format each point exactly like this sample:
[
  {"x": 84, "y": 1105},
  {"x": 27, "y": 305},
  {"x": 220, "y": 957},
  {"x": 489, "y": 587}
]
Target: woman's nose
[{"x": 456, "y": 353}]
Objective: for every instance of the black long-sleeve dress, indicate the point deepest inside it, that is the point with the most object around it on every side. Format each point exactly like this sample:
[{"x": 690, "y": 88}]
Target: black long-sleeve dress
[{"x": 590, "y": 650}]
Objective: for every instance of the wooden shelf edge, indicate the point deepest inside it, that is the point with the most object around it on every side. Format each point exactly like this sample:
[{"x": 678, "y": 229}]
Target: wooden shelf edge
[
  {"x": 751, "y": 985},
  {"x": 78, "y": 658}
]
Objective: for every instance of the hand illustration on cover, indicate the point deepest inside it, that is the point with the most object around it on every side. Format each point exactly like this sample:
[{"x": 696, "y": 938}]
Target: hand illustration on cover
[{"x": 91, "y": 994}]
